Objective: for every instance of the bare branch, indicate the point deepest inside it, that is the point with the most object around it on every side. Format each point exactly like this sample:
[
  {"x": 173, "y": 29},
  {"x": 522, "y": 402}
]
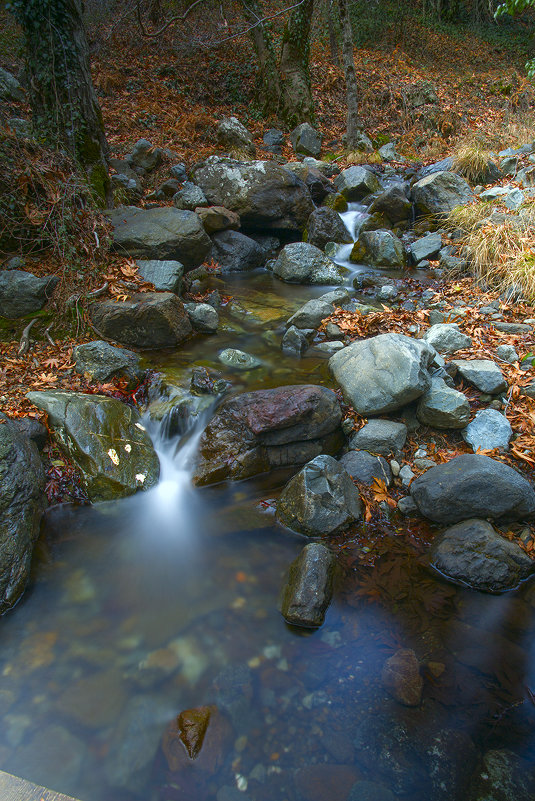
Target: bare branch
[
  {"x": 170, "y": 21},
  {"x": 256, "y": 24},
  {"x": 24, "y": 345},
  {"x": 48, "y": 337}
]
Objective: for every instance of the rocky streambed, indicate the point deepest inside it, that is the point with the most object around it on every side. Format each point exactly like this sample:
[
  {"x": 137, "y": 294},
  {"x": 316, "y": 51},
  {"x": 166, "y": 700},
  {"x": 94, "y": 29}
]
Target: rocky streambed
[{"x": 324, "y": 438}]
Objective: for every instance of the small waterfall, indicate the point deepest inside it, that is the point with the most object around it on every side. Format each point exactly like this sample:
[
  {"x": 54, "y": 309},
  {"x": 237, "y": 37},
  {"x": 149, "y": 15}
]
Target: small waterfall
[{"x": 353, "y": 219}]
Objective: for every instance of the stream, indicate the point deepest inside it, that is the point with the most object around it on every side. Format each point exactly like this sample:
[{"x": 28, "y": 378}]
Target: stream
[{"x": 167, "y": 600}]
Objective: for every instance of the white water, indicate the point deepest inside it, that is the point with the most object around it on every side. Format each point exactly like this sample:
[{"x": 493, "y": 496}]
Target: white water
[{"x": 353, "y": 219}]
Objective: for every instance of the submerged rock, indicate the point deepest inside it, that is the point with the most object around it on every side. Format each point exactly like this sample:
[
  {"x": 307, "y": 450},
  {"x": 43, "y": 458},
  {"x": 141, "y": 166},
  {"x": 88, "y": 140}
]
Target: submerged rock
[
  {"x": 502, "y": 776},
  {"x": 238, "y": 359},
  {"x": 105, "y": 439},
  {"x": 320, "y": 500},
  {"x": 401, "y": 677},
  {"x": 308, "y": 589}
]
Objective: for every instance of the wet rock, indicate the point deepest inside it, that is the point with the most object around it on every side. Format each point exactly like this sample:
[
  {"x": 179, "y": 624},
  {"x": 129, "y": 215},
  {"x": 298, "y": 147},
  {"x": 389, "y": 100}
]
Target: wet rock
[
  {"x": 105, "y": 439},
  {"x": 205, "y": 380},
  {"x": 189, "y": 197},
  {"x": 382, "y": 373},
  {"x": 305, "y": 140},
  {"x": 145, "y": 155},
  {"x": 258, "y": 430},
  {"x": 202, "y": 317},
  {"x": 440, "y": 193},
  {"x": 379, "y": 249},
  {"x": 322, "y": 781},
  {"x": 32, "y": 429},
  {"x": 489, "y": 429},
  {"x": 407, "y": 506},
  {"x": 320, "y": 500},
  {"x": 22, "y": 503},
  {"x": 145, "y": 320},
  {"x": 451, "y": 757},
  {"x": 22, "y": 293},
  {"x": 236, "y": 252},
  {"x": 166, "y": 276},
  {"x": 182, "y": 409},
  {"x": 401, "y": 677},
  {"x": 233, "y": 686},
  {"x": 53, "y": 757},
  {"x": 364, "y": 467},
  {"x": 484, "y": 374},
  {"x": 473, "y": 485},
  {"x": 473, "y": 553},
  {"x": 443, "y": 407},
  {"x": 380, "y": 436},
  {"x": 308, "y": 589},
  {"x": 354, "y": 183},
  {"x": 393, "y": 203},
  {"x": 426, "y": 248},
  {"x": 102, "y": 362},
  {"x": 325, "y": 225},
  {"x": 502, "y": 776},
  {"x": 264, "y": 194},
  {"x": 447, "y": 338},
  {"x": 232, "y": 135},
  {"x": 94, "y": 701},
  {"x": 295, "y": 341},
  {"x": 311, "y": 314},
  {"x": 162, "y": 233},
  {"x": 217, "y": 218},
  {"x": 238, "y": 359},
  {"x": 302, "y": 263},
  {"x": 370, "y": 791}
]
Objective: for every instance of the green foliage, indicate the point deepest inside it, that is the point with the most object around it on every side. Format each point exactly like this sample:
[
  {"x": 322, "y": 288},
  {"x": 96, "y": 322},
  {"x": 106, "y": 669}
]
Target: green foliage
[{"x": 513, "y": 7}]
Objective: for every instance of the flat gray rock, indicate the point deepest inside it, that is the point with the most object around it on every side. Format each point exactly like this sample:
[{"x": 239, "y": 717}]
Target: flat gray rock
[
  {"x": 309, "y": 586},
  {"x": 473, "y": 553},
  {"x": 426, "y": 248},
  {"x": 364, "y": 467},
  {"x": 489, "y": 429},
  {"x": 443, "y": 407},
  {"x": 484, "y": 374},
  {"x": 311, "y": 314},
  {"x": 383, "y": 437},
  {"x": 102, "y": 362},
  {"x": 446, "y": 338},
  {"x": 166, "y": 276}
]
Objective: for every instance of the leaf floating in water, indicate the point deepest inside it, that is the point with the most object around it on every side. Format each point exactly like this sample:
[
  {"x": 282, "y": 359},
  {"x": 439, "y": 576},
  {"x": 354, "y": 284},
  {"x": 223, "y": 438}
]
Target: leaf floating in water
[{"x": 192, "y": 726}]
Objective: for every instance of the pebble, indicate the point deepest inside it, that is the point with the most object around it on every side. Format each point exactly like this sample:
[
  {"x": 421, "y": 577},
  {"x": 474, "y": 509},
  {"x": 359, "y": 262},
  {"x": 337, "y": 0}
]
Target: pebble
[
  {"x": 406, "y": 475},
  {"x": 395, "y": 467}
]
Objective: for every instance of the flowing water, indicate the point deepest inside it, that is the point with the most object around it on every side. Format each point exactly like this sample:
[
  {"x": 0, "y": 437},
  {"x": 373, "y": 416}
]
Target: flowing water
[{"x": 141, "y": 608}]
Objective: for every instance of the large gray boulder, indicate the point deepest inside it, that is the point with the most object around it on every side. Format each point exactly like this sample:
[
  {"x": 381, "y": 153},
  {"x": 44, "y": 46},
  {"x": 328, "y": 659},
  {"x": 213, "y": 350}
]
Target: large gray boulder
[
  {"x": 502, "y": 776},
  {"x": 382, "y": 437},
  {"x": 354, "y": 183},
  {"x": 160, "y": 233},
  {"x": 256, "y": 431},
  {"x": 473, "y": 553},
  {"x": 147, "y": 320},
  {"x": 443, "y": 407},
  {"x": 105, "y": 439},
  {"x": 166, "y": 276},
  {"x": 473, "y": 485},
  {"x": 302, "y": 263},
  {"x": 308, "y": 589},
  {"x": 22, "y": 293},
  {"x": 236, "y": 252},
  {"x": 440, "y": 192},
  {"x": 384, "y": 373},
  {"x": 22, "y": 503},
  {"x": 489, "y": 429},
  {"x": 379, "y": 249},
  {"x": 393, "y": 203},
  {"x": 102, "y": 362},
  {"x": 320, "y": 499},
  {"x": 325, "y": 225},
  {"x": 233, "y": 135},
  {"x": 484, "y": 374},
  {"x": 305, "y": 140},
  {"x": 264, "y": 194}
]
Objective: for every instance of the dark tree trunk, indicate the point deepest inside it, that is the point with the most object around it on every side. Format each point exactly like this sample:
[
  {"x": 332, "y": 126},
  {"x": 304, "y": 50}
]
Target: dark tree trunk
[
  {"x": 296, "y": 98},
  {"x": 333, "y": 33},
  {"x": 354, "y": 125},
  {"x": 265, "y": 52},
  {"x": 65, "y": 109},
  {"x": 155, "y": 11}
]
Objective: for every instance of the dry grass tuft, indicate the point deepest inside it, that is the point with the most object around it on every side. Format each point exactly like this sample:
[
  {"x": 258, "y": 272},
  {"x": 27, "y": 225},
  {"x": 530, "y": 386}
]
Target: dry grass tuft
[
  {"x": 468, "y": 218},
  {"x": 471, "y": 159}
]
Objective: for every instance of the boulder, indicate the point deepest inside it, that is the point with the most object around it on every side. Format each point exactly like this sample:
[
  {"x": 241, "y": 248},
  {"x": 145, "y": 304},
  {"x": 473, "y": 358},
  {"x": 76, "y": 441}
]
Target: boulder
[
  {"x": 383, "y": 373},
  {"x": 202, "y": 317},
  {"x": 447, "y": 338},
  {"x": 393, "y": 203},
  {"x": 401, "y": 677},
  {"x": 179, "y": 172},
  {"x": 232, "y": 135},
  {"x": 10, "y": 88},
  {"x": 315, "y": 181},
  {"x": 473, "y": 485},
  {"x": 301, "y": 263},
  {"x": 273, "y": 140},
  {"x": 320, "y": 500},
  {"x": 311, "y": 314},
  {"x": 388, "y": 152},
  {"x": 264, "y": 194},
  {"x": 309, "y": 586},
  {"x": 484, "y": 374},
  {"x": 354, "y": 183},
  {"x": 160, "y": 233},
  {"x": 295, "y": 341},
  {"x": 236, "y": 252},
  {"x": 256, "y": 431},
  {"x": 189, "y": 197},
  {"x": 440, "y": 192},
  {"x": 325, "y": 225},
  {"x": 364, "y": 467},
  {"x": 145, "y": 155},
  {"x": 443, "y": 407},
  {"x": 474, "y": 554},
  {"x": 105, "y": 439},
  {"x": 305, "y": 140},
  {"x": 379, "y": 249},
  {"x": 22, "y": 503},
  {"x": 427, "y": 247},
  {"x": 489, "y": 429},
  {"x": 147, "y": 320},
  {"x": 384, "y": 437},
  {"x": 370, "y": 791},
  {"x": 22, "y": 293},
  {"x": 102, "y": 362},
  {"x": 217, "y": 218},
  {"x": 166, "y": 276}
]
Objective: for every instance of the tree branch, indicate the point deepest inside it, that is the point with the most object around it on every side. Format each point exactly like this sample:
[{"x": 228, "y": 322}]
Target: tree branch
[{"x": 171, "y": 21}]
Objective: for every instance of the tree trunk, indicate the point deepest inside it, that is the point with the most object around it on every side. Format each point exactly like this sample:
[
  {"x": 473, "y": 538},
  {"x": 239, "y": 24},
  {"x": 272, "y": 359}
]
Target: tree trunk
[
  {"x": 333, "y": 33},
  {"x": 267, "y": 59},
  {"x": 296, "y": 98},
  {"x": 353, "y": 120},
  {"x": 155, "y": 11},
  {"x": 65, "y": 109}
]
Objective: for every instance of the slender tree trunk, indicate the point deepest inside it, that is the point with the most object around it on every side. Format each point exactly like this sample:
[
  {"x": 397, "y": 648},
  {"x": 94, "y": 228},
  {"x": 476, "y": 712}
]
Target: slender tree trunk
[
  {"x": 65, "y": 109},
  {"x": 333, "y": 33},
  {"x": 354, "y": 125},
  {"x": 155, "y": 11},
  {"x": 296, "y": 98},
  {"x": 266, "y": 55}
]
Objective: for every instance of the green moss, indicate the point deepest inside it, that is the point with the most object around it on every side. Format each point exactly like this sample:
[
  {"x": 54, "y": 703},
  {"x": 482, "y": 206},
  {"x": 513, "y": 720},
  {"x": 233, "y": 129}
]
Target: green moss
[
  {"x": 99, "y": 181},
  {"x": 336, "y": 202}
]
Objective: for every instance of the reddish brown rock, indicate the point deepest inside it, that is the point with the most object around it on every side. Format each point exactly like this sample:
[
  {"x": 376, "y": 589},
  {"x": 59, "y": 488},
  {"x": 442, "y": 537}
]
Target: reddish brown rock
[
  {"x": 200, "y": 736},
  {"x": 401, "y": 677}
]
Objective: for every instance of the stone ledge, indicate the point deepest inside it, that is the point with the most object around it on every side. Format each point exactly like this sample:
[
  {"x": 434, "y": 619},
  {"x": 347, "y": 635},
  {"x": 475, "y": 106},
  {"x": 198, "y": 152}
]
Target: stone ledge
[{"x": 14, "y": 789}]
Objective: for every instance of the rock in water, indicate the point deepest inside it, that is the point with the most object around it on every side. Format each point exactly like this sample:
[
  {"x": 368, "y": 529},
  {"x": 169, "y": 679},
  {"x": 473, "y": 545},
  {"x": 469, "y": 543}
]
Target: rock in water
[
  {"x": 379, "y": 249},
  {"x": 383, "y": 373},
  {"x": 401, "y": 677},
  {"x": 301, "y": 263},
  {"x": 105, "y": 439},
  {"x": 102, "y": 362},
  {"x": 320, "y": 500},
  {"x": 354, "y": 183},
  {"x": 256, "y": 431},
  {"x": 146, "y": 320},
  {"x": 472, "y": 485},
  {"x": 473, "y": 553},
  {"x": 308, "y": 589},
  {"x": 22, "y": 503}
]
